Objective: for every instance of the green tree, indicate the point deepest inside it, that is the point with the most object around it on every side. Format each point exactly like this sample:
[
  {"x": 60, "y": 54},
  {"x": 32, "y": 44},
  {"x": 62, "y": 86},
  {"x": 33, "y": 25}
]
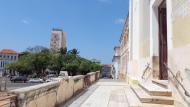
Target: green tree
[
  {"x": 36, "y": 60},
  {"x": 40, "y": 61},
  {"x": 55, "y": 63},
  {"x": 84, "y": 67},
  {"x": 72, "y": 68},
  {"x": 58, "y": 60}
]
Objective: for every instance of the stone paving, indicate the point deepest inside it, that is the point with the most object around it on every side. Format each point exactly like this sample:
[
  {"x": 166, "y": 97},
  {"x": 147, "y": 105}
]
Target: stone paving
[{"x": 105, "y": 93}]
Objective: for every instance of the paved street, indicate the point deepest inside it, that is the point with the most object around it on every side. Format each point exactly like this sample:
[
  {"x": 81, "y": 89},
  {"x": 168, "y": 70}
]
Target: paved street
[
  {"x": 11, "y": 86},
  {"x": 105, "y": 93}
]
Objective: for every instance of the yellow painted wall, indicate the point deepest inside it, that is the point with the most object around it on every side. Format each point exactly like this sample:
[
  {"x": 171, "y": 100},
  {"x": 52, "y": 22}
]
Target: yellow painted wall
[
  {"x": 179, "y": 55},
  {"x": 181, "y": 29},
  {"x": 181, "y": 22}
]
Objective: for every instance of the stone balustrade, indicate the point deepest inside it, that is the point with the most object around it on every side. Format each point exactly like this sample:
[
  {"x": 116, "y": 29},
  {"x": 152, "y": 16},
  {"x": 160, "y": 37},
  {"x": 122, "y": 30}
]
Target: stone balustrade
[{"x": 53, "y": 94}]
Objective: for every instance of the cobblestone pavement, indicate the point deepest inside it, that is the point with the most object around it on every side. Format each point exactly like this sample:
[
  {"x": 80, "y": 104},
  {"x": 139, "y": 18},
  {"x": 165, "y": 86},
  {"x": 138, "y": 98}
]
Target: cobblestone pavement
[{"x": 105, "y": 93}]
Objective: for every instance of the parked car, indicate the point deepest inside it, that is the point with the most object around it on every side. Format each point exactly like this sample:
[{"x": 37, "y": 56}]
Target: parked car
[
  {"x": 36, "y": 80},
  {"x": 54, "y": 79},
  {"x": 63, "y": 74},
  {"x": 51, "y": 76},
  {"x": 19, "y": 79}
]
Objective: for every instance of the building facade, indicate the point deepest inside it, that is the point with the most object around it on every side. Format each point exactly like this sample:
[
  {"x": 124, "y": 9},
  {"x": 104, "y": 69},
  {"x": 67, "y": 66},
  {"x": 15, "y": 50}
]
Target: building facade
[
  {"x": 124, "y": 52},
  {"x": 106, "y": 71},
  {"x": 7, "y": 56},
  {"x": 159, "y": 39},
  {"x": 121, "y": 57},
  {"x": 58, "y": 39},
  {"x": 116, "y": 63}
]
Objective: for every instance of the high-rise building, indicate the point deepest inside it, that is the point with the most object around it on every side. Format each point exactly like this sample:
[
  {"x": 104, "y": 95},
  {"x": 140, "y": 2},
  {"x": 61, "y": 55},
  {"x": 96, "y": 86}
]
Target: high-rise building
[{"x": 58, "y": 39}]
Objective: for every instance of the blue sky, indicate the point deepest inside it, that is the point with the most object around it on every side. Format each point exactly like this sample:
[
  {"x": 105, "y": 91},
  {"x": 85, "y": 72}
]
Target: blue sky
[{"x": 92, "y": 26}]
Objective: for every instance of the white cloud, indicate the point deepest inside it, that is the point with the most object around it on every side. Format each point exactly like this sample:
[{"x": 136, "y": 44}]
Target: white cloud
[
  {"x": 120, "y": 21},
  {"x": 24, "y": 21}
]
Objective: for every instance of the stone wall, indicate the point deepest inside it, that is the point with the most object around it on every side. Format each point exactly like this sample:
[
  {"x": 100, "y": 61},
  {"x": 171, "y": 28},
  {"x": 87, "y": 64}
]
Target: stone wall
[
  {"x": 92, "y": 77},
  {"x": 178, "y": 62},
  {"x": 53, "y": 94}
]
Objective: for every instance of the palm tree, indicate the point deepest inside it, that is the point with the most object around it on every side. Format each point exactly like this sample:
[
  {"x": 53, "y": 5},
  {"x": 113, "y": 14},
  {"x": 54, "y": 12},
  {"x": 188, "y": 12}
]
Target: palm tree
[{"x": 74, "y": 51}]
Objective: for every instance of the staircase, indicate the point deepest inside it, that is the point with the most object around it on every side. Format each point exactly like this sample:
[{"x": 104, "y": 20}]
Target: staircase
[{"x": 150, "y": 94}]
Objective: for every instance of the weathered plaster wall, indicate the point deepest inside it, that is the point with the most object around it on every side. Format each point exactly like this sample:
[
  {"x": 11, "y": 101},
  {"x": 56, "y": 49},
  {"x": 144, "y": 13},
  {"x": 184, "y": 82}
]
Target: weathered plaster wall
[
  {"x": 79, "y": 83},
  {"x": 92, "y": 77},
  {"x": 179, "y": 54},
  {"x": 123, "y": 65},
  {"x": 144, "y": 34},
  {"x": 135, "y": 29},
  {"x": 53, "y": 93},
  {"x": 130, "y": 30},
  {"x": 181, "y": 22},
  {"x": 179, "y": 63},
  {"x": 139, "y": 38},
  {"x": 178, "y": 32}
]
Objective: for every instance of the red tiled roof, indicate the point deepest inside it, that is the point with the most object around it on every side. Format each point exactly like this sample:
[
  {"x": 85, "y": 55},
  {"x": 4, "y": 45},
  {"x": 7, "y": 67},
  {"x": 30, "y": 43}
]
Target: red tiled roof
[{"x": 8, "y": 51}]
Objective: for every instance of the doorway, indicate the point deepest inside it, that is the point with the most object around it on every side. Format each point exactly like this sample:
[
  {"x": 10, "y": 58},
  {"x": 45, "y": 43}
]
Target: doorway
[{"x": 163, "y": 49}]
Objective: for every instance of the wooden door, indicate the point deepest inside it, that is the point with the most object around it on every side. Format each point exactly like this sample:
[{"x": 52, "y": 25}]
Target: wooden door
[{"x": 163, "y": 54}]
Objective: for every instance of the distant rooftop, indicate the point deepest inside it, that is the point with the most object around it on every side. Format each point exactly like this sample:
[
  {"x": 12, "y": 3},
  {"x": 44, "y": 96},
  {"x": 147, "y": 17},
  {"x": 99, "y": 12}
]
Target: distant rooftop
[{"x": 8, "y": 51}]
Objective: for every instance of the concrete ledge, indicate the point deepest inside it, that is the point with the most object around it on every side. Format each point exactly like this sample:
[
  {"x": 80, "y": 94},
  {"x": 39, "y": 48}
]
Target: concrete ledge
[
  {"x": 78, "y": 77},
  {"x": 53, "y": 93},
  {"x": 91, "y": 73},
  {"x": 45, "y": 86}
]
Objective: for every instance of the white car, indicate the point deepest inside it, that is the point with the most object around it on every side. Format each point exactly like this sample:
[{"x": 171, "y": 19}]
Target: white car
[
  {"x": 36, "y": 80},
  {"x": 54, "y": 79},
  {"x": 63, "y": 74}
]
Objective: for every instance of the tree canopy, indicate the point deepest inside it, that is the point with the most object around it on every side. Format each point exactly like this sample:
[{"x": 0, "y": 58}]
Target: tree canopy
[{"x": 38, "y": 59}]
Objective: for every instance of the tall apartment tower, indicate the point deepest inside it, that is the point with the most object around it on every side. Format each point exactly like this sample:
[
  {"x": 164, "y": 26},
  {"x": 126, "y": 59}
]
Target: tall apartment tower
[{"x": 58, "y": 39}]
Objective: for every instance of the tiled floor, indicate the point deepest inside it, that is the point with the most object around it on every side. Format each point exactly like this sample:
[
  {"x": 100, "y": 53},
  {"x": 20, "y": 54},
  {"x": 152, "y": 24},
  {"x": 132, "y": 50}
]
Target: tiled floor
[{"x": 105, "y": 93}]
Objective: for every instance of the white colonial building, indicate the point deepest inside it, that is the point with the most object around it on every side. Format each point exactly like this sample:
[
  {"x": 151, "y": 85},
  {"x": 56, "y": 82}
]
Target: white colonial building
[
  {"x": 7, "y": 56},
  {"x": 116, "y": 63},
  {"x": 121, "y": 56},
  {"x": 159, "y": 45},
  {"x": 124, "y": 51}
]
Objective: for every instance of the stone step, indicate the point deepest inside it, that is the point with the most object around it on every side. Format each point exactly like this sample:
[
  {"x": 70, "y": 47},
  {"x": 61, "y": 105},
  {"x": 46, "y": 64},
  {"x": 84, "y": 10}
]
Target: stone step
[
  {"x": 118, "y": 99},
  {"x": 162, "y": 83},
  {"x": 155, "y": 90},
  {"x": 132, "y": 99},
  {"x": 156, "y": 105},
  {"x": 146, "y": 98}
]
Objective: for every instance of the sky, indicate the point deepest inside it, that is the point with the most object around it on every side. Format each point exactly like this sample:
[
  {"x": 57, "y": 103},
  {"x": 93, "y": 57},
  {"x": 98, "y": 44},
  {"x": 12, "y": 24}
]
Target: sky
[{"x": 92, "y": 26}]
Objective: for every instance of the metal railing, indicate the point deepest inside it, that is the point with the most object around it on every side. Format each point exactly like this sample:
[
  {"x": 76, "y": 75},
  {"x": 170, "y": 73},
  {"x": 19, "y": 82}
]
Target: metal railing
[
  {"x": 186, "y": 92},
  {"x": 146, "y": 70}
]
